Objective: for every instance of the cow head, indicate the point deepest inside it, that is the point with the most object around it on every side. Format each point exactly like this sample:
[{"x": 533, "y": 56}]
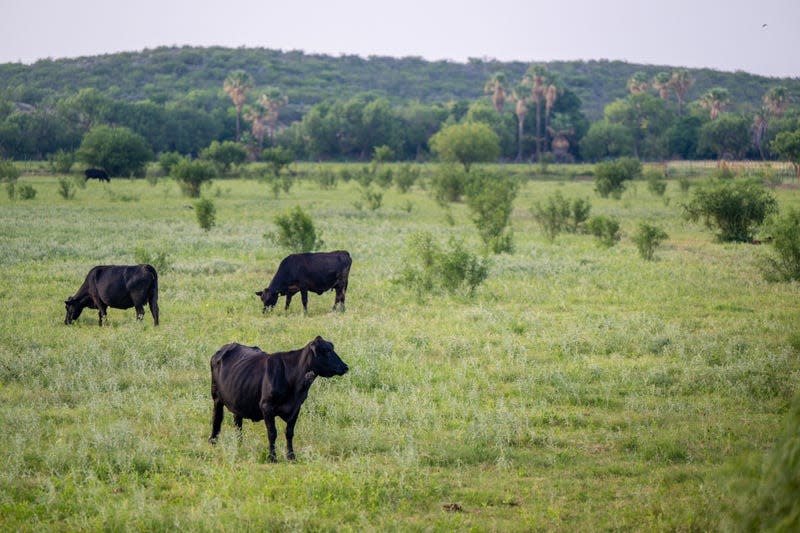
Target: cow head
[
  {"x": 269, "y": 299},
  {"x": 74, "y": 309},
  {"x": 324, "y": 361}
]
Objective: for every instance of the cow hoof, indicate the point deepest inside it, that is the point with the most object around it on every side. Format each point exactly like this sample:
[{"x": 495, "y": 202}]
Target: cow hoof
[
  {"x": 212, "y": 440},
  {"x": 272, "y": 459}
]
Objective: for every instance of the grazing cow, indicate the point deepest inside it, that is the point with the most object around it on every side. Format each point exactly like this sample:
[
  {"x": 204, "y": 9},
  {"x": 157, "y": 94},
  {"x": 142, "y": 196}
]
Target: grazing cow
[
  {"x": 315, "y": 272},
  {"x": 120, "y": 287},
  {"x": 260, "y": 386},
  {"x": 96, "y": 173}
]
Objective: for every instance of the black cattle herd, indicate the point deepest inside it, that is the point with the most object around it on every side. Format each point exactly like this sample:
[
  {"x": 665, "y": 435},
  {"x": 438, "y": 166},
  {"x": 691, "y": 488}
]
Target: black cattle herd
[{"x": 251, "y": 383}]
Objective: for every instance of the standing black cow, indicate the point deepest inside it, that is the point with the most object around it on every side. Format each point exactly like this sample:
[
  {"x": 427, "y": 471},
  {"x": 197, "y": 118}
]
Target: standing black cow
[
  {"x": 120, "y": 287},
  {"x": 96, "y": 173},
  {"x": 315, "y": 272},
  {"x": 260, "y": 386}
]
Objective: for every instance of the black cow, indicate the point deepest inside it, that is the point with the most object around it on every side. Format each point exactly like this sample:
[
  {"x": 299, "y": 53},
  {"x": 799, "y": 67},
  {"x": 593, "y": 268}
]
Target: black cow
[
  {"x": 315, "y": 272},
  {"x": 260, "y": 386},
  {"x": 120, "y": 287},
  {"x": 96, "y": 173}
]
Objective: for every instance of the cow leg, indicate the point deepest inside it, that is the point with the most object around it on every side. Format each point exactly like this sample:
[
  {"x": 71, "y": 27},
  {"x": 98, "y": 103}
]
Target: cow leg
[
  {"x": 139, "y": 312},
  {"x": 272, "y": 435},
  {"x": 101, "y": 311},
  {"x": 288, "y": 300},
  {"x": 339, "y": 299},
  {"x": 304, "y": 299},
  {"x": 290, "y": 438},
  {"x": 238, "y": 421},
  {"x": 216, "y": 420}
]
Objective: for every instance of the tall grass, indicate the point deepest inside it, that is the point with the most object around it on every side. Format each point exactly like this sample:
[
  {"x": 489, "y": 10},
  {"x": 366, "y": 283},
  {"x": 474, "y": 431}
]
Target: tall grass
[{"x": 579, "y": 388}]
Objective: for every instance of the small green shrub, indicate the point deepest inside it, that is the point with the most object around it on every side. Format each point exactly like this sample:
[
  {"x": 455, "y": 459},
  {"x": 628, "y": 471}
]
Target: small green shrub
[
  {"x": 26, "y": 192},
  {"x": 192, "y": 174},
  {"x": 159, "y": 259},
  {"x": 225, "y": 155},
  {"x": 784, "y": 265},
  {"x": 61, "y": 162},
  {"x": 558, "y": 214},
  {"x": 66, "y": 188},
  {"x": 431, "y": 268},
  {"x": 656, "y": 182},
  {"x": 277, "y": 158},
  {"x": 167, "y": 160},
  {"x": 296, "y": 231},
  {"x": 491, "y": 197},
  {"x": 448, "y": 184},
  {"x": 684, "y": 184},
  {"x": 206, "y": 213},
  {"x": 733, "y": 207},
  {"x": 405, "y": 177},
  {"x": 606, "y": 229},
  {"x": 647, "y": 238},
  {"x": 611, "y": 176},
  {"x": 372, "y": 197},
  {"x": 326, "y": 179},
  {"x": 9, "y": 174}
]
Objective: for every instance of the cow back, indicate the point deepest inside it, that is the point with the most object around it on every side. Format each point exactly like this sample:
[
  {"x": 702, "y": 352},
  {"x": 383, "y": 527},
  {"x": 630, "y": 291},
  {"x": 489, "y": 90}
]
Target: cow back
[{"x": 237, "y": 372}]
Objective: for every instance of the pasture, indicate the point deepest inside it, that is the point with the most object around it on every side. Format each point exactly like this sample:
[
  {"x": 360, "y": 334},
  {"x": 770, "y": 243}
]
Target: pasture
[{"x": 580, "y": 388}]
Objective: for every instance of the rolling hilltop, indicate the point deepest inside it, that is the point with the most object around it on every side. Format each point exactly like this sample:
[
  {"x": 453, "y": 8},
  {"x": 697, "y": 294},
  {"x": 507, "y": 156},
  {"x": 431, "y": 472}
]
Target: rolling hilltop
[{"x": 168, "y": 73}]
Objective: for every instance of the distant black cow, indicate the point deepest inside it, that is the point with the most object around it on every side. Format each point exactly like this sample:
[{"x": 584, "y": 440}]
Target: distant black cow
[
  {"x": 260, "y": 386},
  {"x": 120, "y": 287},
  {"x": 315, "y": 272},
  {"x": 97, "y": 173}
]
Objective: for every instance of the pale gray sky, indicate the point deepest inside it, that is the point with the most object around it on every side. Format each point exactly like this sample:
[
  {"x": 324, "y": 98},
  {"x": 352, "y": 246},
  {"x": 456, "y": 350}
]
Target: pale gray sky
[{"x": 757, "y": 36}]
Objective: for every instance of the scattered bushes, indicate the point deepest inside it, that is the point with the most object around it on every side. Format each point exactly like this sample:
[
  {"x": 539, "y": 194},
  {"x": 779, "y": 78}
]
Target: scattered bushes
[
  {"x": 735, "y": 208},
  {"x": 224, "y": 154},
  {"x": 784, "y": 265},
  {"x": 606, "y": 229},
  {"x": 448, "y": 184},
  {"x": 431, "y": 268},
  {"x": 66, "y": 188},
  {"x": 406, "y": 176},
  {"x": 295, "y": 231},
  {"x": 612, "y": 175},
  {"x": 206, "y": 213},
  {"x": 120, "y": 151},
  {"x": 647, "y": 238}
]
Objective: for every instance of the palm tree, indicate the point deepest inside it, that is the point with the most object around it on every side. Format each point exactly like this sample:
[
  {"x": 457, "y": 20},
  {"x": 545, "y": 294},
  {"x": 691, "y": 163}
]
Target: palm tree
[
  {"x": 521, "y": 110},
  {"x": 536, "y": 78},
  {"x": 661, "y": 83},
  {"x": 496, "y": 86},
  {"x": 638, "y": 83},
  {"x": 760, "y": 124},
  {"x": 236, "y": 86},
  {"x": 550, "y": 97},
  {"x": 681, "y": 81},
  {"x": 776, "y": 101},
  {"x": 715, "y": 100},
  {"x": 265, "y": 118}
]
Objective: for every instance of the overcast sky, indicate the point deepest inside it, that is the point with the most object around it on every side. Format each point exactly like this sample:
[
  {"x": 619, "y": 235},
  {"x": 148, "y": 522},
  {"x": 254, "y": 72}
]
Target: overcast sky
[{"x": 757, "y": 36}]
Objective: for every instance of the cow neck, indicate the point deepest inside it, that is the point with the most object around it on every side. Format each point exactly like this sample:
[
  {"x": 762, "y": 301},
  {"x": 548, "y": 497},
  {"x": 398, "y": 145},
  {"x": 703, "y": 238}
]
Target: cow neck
[{"x": 303, "y": 365}]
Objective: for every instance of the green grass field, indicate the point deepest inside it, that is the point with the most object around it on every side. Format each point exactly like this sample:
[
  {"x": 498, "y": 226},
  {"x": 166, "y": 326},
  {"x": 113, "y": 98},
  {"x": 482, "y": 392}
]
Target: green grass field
[{"x": 581, "y": 388}]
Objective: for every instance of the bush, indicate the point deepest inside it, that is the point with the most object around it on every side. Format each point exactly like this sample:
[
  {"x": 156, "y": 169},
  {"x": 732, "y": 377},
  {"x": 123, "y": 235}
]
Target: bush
[
  {"x": 448, "y": 184},
  {"x": 206, "y": 213},
  {"x": 224, "y": 154},
  {"x": 9, "y": 175},
  {"x": 159, "y": 259},
  {"x": 373, "y": 198},
  {"x": 734, "y": 207},
  {"x": 66, "y": 188},
  {"x": 296, "y": 231},
  {"x": 430, "y": 268},
  {"x": 277, "y": 158},
  {"x": 61, "y": 162},
  {"x": 192, "y": 174},
  {"x": 120, "y": 151},
  {"x": 406, "y": 176},
  {"x": 656, "y": 183},
  {"x": 26, "y": 192},
  {"x": 326, "y": 179},
  {"x": 559, "y": 214},
  {"x": 784, "y": 265},
  {"x": 612, "y": 175},
  {"x": 491, "y": 199},
  {"x": 606, "y": 230},
  {"x": 647, "y": 238},
  {"x": 167, "y": 161}
]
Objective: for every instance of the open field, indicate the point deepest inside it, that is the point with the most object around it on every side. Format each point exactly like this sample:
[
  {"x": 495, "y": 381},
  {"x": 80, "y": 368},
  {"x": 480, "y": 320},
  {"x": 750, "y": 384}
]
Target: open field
[{"x": 580, "y": 389}]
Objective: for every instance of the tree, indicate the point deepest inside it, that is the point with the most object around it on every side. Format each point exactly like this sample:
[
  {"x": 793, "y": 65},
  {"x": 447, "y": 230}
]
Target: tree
[
  {"x": 605, "y": 139},
  {"x": 491, "y": 199},
  {"x": 681, "y": 81},
  {"x": 610, "y": 176},
  {"x": 776, "y": 100},
  {"x": 466, "y": 143},
  {"x": 538, "y": 78},
  {"x": 236, "y": 85},
  {"x": 192, "y": 174},
  {"x": 729, "y": 135},
  {"x": 661, "y": 83},
  {"x": 520, "y": 110},
  {"x": 119, "y": 151},
  {"x": 496, "y": 86},
  {"x": 264, "y": 117},
  {"x": 638, "y": 83},
  {"x": 787, "y": 146},
  {"x": 715, "y": 100}
]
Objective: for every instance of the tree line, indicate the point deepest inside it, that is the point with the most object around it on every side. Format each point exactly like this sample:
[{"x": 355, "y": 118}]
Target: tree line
[{"x": 537, "y": 114}]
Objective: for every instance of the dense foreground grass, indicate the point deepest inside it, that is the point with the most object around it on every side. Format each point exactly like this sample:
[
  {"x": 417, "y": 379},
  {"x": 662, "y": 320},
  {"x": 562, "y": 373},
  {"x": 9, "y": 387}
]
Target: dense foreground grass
[{"x": 580, "y": 389}]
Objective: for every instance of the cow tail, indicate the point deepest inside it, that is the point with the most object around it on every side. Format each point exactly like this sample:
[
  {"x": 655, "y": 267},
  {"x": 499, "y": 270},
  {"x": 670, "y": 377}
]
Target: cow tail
[{"x": 152, "y": 298}]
